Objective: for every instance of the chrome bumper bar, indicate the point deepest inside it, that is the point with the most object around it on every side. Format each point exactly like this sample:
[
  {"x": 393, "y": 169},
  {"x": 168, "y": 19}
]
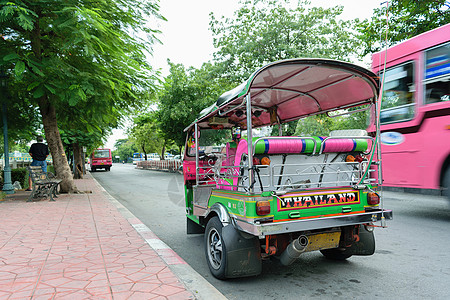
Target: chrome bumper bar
[{"x": 311, "y": 224}]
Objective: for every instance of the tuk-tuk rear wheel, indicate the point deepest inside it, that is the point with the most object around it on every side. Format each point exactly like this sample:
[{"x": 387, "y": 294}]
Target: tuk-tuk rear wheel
[
  {"x": 336, "y": 254},
  {"x": 215, "y": 248}
]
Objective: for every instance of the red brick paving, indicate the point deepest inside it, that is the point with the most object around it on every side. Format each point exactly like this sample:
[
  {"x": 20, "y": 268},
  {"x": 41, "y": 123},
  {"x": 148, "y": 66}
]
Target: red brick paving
[{"x": 80, "y": 247}]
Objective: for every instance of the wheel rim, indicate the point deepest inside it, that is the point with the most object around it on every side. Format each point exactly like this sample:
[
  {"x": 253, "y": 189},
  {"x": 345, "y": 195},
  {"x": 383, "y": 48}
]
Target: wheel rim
[{"x": 215, "y": 248}]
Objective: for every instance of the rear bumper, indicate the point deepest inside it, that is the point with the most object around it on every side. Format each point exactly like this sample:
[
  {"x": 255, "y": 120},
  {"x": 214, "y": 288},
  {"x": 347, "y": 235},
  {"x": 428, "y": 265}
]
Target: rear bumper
[{"x": 311, "y": 224}]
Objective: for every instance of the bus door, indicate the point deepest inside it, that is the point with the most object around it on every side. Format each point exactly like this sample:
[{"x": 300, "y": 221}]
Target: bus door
[{"x": 400, "y": 146}]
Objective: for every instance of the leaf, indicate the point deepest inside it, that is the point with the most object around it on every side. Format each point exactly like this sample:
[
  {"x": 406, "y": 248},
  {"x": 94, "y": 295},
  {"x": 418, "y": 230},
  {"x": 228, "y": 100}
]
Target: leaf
[
  {"x": 33, "y": 85},
  {"x": 39, "y": 92},
  {"x": 73, "y": 101},
  {"x": 82, "y": 94},
  {"x": 112, "y": 84},
  {"x": 50, "y": 88},
  {"x": 37, "y": 71},
  {"x": 20, "y": 68},
  {"x": 12, "y": 56}
]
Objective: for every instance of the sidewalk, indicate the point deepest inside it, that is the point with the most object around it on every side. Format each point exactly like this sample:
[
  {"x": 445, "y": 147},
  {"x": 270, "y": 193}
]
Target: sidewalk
[{"x": 88, "y": 246}]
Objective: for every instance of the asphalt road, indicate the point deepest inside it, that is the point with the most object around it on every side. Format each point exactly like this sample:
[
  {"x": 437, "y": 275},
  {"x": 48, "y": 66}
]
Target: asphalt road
[{"x": 412, "y": 258}]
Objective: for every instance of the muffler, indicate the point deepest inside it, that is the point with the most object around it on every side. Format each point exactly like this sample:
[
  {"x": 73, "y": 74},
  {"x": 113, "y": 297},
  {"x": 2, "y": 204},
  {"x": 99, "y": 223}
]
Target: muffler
[{"x": 293, "y": 250}]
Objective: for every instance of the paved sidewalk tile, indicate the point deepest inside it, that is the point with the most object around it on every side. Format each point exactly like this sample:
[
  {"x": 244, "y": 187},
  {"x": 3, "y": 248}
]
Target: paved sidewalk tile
[{"x": 79, "y": 247}]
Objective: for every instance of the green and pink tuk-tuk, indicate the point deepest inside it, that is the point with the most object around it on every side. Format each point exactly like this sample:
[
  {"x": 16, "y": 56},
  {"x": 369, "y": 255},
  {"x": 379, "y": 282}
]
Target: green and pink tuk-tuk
[{"x": 257, "y": 196}]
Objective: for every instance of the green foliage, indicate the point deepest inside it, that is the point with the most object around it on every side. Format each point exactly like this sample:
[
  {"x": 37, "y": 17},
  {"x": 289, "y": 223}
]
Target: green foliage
[
  {"x": 87, "y": 58},
  {"x": 183, "y": 95},
  {"x": 406, "y": 19},
  {"x": 263, "y": 31},
  {"x": 90, "y": 140},
  {"x": 145, "y": 133},
  {"x": 22, "y": 119},
  {"x": 125, "y": 149},
  {"x": 20, "y": 175},
  {"x": 321, "y": 125}
]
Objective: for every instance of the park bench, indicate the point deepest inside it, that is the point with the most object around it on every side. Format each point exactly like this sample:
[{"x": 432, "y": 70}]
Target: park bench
[{"x": 45, "y": 184}]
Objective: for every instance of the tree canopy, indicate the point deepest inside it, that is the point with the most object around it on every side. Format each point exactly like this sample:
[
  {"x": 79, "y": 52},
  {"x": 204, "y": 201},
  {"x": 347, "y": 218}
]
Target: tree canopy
[
  {"x": 406, "y": 19},
  {"x": 146, "y": 135},
  {"x": 184, "y": 93},
  {"x": 78, "y": 57},
  {"x": 263, "y": 31}
]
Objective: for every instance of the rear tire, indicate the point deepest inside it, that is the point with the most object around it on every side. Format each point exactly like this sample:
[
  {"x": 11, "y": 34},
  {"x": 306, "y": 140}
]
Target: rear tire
[
  {"x": 336, "y": 254},
  {"x": 446, "y": 184},
  {"x": 215, "y": 248}
]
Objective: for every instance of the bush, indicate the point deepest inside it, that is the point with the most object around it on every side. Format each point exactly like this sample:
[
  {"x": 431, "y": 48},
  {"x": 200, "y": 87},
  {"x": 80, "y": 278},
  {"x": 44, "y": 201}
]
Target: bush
[{"x": 20, "y": 175}]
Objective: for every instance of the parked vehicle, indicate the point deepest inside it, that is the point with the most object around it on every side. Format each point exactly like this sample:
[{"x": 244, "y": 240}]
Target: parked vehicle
[
  {"x": 101, "y": 159},
  {"x": 415, "y": 115},
  {"x": 141, "y": 157},
  {"x": 137, "y": 157},
  {"x": 279, "y": 196}
]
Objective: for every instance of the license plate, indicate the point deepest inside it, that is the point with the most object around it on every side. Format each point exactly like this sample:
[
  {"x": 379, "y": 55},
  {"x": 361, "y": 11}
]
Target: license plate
[
  {"x": 314, "y": 199},
  {"x": 323, "y": 241}
]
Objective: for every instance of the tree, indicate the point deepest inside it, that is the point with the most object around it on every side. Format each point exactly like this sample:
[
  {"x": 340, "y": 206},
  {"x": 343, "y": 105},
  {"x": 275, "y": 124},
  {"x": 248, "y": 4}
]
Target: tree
[
  {"x": 183, "y": 95},
  {"x": 23, "y": 124},
  {"x": 74, "y": 140},
  {"x": 146, "y": 134},
  {"x": 406, "y": 19},
  {"x": 125, "y": 149},
  {"x": 263, "y": 31},
  {"x": 77, "y": 51}
]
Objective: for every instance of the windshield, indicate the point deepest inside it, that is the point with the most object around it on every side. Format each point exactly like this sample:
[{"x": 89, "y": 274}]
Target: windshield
[
  {"x": 101, "y": 153},
  {"x": 210, "y": 141}
]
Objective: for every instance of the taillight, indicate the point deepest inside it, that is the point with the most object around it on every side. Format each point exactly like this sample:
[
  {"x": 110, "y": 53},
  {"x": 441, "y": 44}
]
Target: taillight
[
  {"x": 373, "y": 199},
  {"x": 262, "y": 207},
  {"x": 265, "y": 161}
]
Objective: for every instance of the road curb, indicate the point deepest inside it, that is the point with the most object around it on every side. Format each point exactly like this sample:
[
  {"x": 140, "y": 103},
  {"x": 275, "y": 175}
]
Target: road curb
[{"x": 193, "y": 281}]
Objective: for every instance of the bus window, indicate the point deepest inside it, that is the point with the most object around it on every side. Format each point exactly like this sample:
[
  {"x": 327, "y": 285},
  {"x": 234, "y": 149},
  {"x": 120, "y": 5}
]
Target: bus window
[
  {"x": 437, "y": 74},
  {"x": 398, "y": 100}
]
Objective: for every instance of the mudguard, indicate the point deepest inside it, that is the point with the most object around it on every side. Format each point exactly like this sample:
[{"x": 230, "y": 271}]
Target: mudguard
[
  {"x": 365, "y": 245},
  {"x": 193, "y": 228},
  {"x": 243, "y": 253}
]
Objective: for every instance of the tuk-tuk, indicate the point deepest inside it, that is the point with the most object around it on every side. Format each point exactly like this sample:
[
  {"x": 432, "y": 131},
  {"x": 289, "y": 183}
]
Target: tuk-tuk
[{"x": 256, "y": 196}]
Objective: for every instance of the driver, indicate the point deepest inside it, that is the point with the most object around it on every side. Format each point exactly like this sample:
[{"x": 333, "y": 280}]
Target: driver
[{"x": 236, "y": 134}]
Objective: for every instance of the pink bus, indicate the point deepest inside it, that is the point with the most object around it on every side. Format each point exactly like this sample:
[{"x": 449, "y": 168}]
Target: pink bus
[{"x": 415, "y": 114}]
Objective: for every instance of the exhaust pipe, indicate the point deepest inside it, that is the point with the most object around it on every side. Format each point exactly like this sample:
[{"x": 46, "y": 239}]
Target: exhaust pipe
[{"x": 293, "y": 250}]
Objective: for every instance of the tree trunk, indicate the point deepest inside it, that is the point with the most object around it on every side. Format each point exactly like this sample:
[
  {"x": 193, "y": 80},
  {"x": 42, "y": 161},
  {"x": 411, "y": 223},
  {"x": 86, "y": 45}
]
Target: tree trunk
[
  {"x": 53, "y": 137},
  {"x": 48, "y": 114},
  {"x": 163, "y": 151},
  {"x": 78, "y": 161}
]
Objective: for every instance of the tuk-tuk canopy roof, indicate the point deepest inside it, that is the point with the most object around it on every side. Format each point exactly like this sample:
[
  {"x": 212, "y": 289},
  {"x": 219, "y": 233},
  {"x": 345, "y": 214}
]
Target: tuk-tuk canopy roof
[{"x": 291, "y": 89}]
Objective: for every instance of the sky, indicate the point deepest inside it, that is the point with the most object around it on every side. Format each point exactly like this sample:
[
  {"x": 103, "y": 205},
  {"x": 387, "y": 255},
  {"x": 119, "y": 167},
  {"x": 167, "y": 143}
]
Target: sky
[{"x": 187, "y": 40}]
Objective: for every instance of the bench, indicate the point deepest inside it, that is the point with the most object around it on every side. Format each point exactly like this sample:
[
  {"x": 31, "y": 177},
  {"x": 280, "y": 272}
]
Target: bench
[{"x": 45, "y": 184}]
